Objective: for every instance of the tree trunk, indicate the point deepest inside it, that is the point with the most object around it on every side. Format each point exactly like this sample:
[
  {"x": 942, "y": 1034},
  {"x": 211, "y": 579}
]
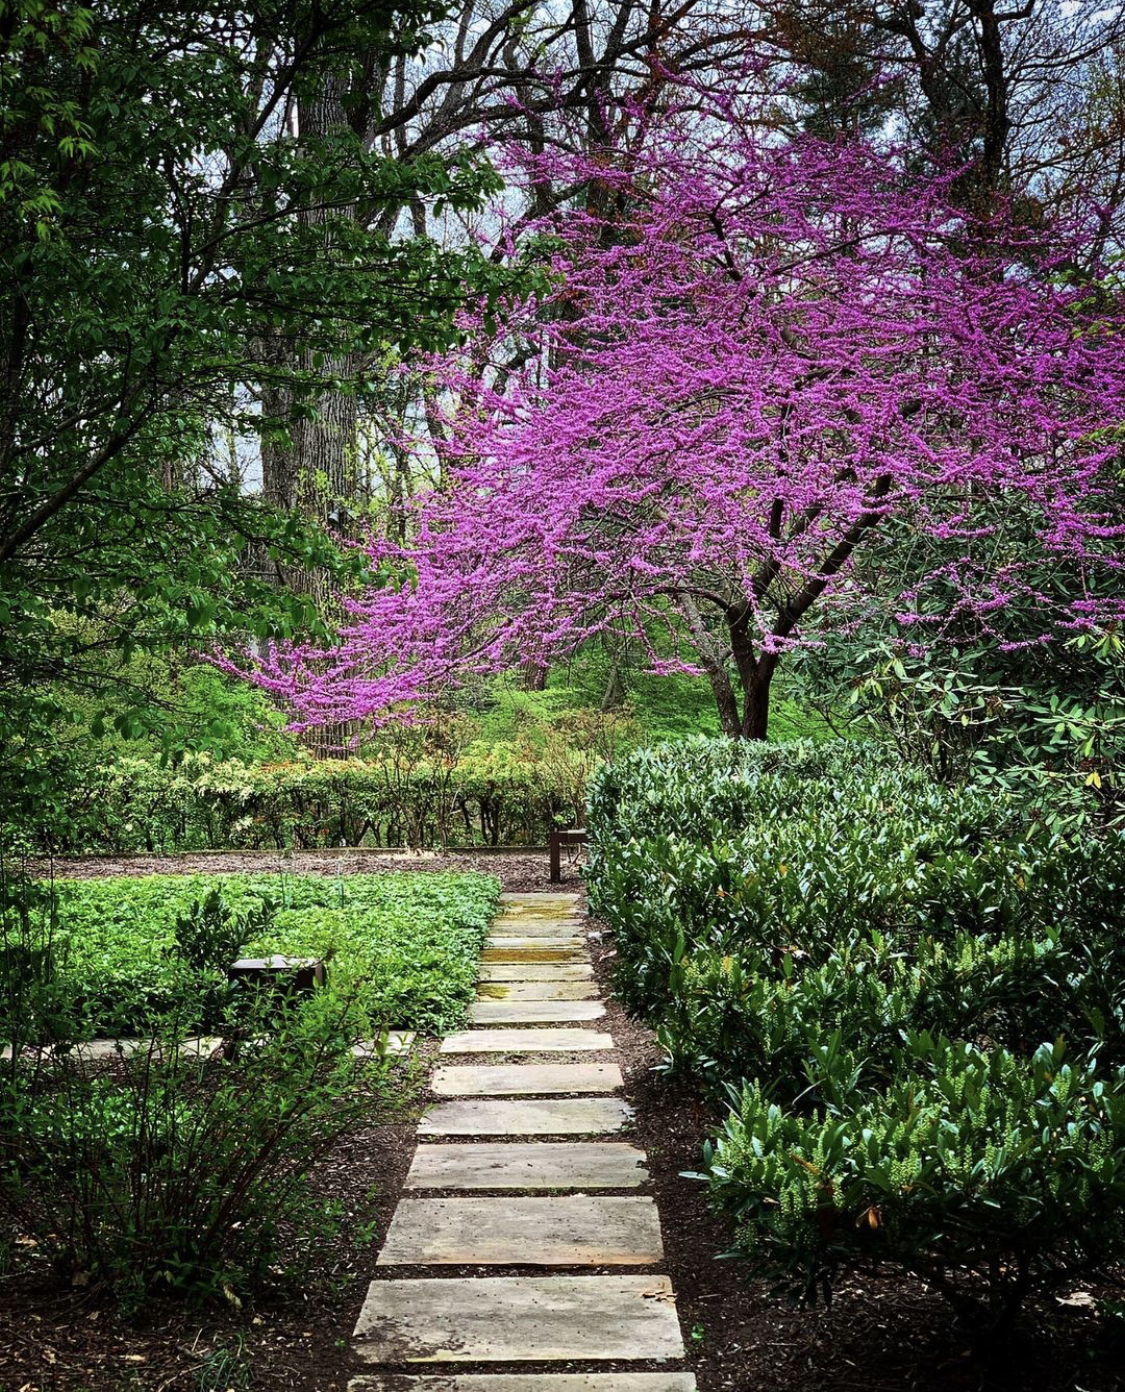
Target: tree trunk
[{"x": 756, "y": 699}]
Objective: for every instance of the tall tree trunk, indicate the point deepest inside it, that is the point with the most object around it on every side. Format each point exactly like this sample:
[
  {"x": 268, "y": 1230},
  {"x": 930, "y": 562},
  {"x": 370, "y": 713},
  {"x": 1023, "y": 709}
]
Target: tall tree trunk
[
  {"x": 756, "y": 698},
  {"x": 315, "y": 472}
]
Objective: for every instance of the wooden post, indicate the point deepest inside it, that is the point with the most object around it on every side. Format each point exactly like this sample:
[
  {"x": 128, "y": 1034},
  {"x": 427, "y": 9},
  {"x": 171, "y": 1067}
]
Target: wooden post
[{"x": 560, "y": 837}]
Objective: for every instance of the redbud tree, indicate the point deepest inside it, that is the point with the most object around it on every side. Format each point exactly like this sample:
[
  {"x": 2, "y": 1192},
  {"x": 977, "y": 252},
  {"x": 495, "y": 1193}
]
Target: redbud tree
[{"x": 759, "y": 359}]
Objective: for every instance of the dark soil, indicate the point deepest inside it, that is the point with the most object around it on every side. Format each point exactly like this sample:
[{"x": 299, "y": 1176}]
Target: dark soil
[
  {"x": 296, "y": 1337},
  {"x": 884, "y": 1333},
  {"x": 519, "y": 870}
]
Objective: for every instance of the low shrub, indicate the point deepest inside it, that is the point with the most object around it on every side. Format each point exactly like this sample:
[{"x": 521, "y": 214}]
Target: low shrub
[
  {"x": 987, "y": 1176},
  {"x": 804, "y": 917},
  {"x": 172, "y": 1175},
  {"x": 421, "y": 787}
]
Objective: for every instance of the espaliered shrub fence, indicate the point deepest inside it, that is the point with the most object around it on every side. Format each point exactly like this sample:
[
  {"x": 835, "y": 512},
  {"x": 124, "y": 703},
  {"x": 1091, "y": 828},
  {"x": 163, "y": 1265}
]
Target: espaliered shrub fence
[{"x": 909, "y": 1007}]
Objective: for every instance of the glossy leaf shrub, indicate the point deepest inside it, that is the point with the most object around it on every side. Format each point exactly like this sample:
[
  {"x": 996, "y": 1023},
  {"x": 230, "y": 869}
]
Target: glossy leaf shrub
[
  {"x": 986, "y": 1175},
  {"x": 790, "y": 919}
]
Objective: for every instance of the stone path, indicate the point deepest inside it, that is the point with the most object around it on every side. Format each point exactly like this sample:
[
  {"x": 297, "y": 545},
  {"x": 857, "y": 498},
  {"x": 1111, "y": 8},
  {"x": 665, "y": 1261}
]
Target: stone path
[{"x": 535, "y": 1179}]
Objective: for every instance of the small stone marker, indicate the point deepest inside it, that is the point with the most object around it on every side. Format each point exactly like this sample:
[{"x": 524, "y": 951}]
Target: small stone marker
[
  {"x": 545, "y": 1040},
  {"x": 279, "y": 973},
  {"x": 460, "y": 1319},
  {"x": 528, "y": 1012},
  {"x": 538, "y": 1165},
  {"x": 535, "y": 972},
  {"x": 525, "y": 1117},
  {"x": 536, "y": 991},
  {"x": 492, "y": 1230},
  {"x": 498, "y": 1080},
  {"x": 527, "y": 1383}
]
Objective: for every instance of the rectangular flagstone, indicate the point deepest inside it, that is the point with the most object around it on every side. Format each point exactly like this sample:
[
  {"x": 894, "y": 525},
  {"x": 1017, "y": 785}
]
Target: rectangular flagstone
[
  {"x": 533, "y": 955},
  {"x": 537, "y": 898},
  {"x": 397, "y": 1042},
  {"x": 539, "y": 928},
  {"x": 509, "y": 1319},
  {"x": 528, "y": 1230},
  {"x": 536, "y": 991},
  {"x": 534, "y": 943},
  {"x": 498, "y": 1080},
  {"x": 535, "y": 1165},
  {"x": 529, "y": 1012},
  {"x": 532, "y": 1040},
  {"x": 620, "y": 1382},
  {"x": 525, "y": 1117},
  {"x": 535, "y": 972}
]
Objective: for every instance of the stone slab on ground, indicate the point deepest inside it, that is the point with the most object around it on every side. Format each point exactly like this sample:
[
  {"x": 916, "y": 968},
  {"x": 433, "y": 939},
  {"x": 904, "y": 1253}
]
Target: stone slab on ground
[
  {"x": 539, "y": 899},
  {"x": 397, "y": 1042},
  {"x": 539, "y": 927},
  {"x": 500, "y": 1080},
  {"x": 530, "y": 1040},
  {"x": 668, "y": 1382},
  {"x": 528, "y": 1012},
  {"x": 532, "y": 956},
  {"x": 535, "y": 972},
  {"x": 125, "y": 1046},
  {"x": 522, "y": 1117},
  {"x": 536, "y": 991},
  {"x": 525, "y": 1230},
  {"x": 536, "y": 941},
  {"x": 460, "y": 1319},
  {"x": 539, "y": 1165}
]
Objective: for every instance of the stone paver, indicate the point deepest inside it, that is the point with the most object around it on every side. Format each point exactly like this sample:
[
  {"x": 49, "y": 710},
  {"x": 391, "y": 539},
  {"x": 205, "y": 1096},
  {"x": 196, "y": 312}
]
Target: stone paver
[
  {"x": 530, "y": 1040},
  {"x": 665, "y": 1382},
  {"x": 530, "y": 957},
  {"x": 528, "y": 1012},
  {"x": 503, "y": 940},
  {"x": 506, "y": 1319},
  {"x": 536, "y": 991},
  {"x": 525, "y": 1230},
  {"x": 542, "y": 1165},
  {"x": 498, "y": 1080},
  {"x": 397, "y": 1042},
  {"x": 539, "y": 900},
  {"x": 534, "y": 927},
  {"x": 523, "y": 1117},
  {"x": 535, "y": 972}
]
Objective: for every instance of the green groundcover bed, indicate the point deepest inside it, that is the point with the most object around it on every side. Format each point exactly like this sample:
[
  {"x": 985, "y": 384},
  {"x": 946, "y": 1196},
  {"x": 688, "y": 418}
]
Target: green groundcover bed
[{"x": 408, "y": 942}]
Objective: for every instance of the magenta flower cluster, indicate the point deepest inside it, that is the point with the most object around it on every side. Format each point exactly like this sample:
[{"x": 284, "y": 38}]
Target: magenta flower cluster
[{"x": 759, "y": 359}]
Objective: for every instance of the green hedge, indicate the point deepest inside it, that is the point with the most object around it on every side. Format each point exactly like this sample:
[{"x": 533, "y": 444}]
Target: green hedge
[
  {"x": 495, "y": 797},
  {"x": 790, "y": 918}
]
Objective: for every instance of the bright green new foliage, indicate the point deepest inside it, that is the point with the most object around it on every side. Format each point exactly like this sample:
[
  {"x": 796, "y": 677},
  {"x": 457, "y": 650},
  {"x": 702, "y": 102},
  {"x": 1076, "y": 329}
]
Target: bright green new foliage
[{"x": 408, "y": 943}]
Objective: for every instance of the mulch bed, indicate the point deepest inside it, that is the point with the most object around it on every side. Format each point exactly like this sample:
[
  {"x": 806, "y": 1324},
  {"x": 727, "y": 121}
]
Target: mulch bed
[
  {"x": 888, "y": 1334},
  {"x": 519, "y": 870}
]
